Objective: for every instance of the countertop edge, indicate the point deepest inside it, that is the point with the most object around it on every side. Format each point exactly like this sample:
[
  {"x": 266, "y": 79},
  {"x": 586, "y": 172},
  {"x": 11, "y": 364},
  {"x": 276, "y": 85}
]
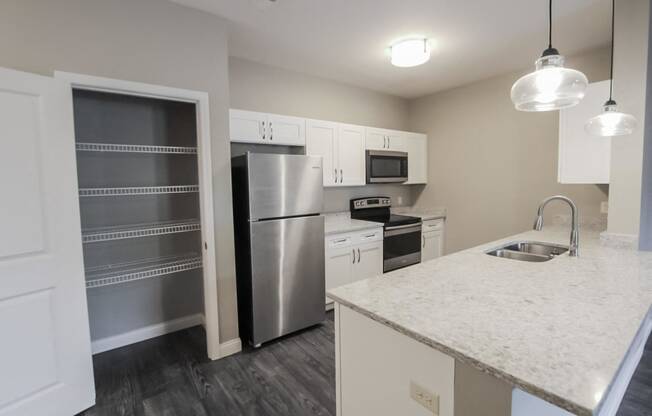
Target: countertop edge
[{"x": 516, "y": 382}]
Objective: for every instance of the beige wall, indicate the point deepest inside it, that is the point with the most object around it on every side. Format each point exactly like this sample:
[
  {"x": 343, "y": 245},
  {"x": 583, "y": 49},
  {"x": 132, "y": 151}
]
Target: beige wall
[
  {"x": 148, "y": 41},
  {"x": 630, "y": 66},
  {"x": 489, "y": 164},
  {"x": 259, "y": 87}
]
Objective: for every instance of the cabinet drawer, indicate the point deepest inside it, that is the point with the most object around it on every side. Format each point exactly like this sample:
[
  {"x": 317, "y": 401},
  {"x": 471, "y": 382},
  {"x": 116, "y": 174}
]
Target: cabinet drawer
[
  {"x": 339, "y": 241},
  {"x": 369, "y": 236},
  {"x": 433, "y": 225}
]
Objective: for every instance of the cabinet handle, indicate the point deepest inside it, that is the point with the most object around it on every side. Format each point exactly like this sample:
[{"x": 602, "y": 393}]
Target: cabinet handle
[
  {"x": 353, "y": 251},
  {"x": 389, "y": 142},
  {"x": 271, "y": 131},
  {"x": 341, "y": 176},
  {"x": 335, "y": 175},
  {"x": 424, "y": 241},
  {"x": 358, "y": 255},
  {"x": 264, "y": 132},
  {"x": 384, "y": 142}
]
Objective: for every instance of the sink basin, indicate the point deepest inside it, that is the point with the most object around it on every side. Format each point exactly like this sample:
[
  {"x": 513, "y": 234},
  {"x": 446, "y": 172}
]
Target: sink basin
[{"x": 528, "y": 251}]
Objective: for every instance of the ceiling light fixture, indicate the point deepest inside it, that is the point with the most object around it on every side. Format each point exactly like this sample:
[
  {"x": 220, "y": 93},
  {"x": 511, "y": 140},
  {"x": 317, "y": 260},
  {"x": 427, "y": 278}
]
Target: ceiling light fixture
[
  {"x": 550, "y": 86},
  {"x": 611, "y": 122},
  {"x": 410, "y": 52}
]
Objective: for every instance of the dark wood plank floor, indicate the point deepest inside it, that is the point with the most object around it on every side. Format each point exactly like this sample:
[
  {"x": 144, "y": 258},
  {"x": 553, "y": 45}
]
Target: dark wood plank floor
[{"x": 295, "y": 376}]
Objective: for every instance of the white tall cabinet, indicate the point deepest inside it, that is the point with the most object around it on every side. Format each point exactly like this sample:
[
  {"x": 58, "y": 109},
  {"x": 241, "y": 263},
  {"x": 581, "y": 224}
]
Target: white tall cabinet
[{"x": 341, "y": 147}]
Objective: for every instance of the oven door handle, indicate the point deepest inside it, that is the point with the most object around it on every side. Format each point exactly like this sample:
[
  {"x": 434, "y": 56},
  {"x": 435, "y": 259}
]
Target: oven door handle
[{"x": 402, "y": 229}]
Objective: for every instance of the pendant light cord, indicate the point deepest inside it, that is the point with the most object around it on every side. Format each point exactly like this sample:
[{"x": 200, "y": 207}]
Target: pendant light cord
[
  {"x": 611, "y": 69},
  {"x": 550, "y": 24}
]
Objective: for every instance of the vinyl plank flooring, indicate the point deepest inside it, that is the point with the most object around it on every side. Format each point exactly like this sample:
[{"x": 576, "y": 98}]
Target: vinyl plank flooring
[{"x": 295, "y": 375}]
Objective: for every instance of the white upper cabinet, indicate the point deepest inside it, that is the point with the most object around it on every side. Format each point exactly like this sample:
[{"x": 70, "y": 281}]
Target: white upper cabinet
[
  {"x": 351, "y": 155},
  {"x": 342, "y": 148},
  {"x": 416, "y": 146},
  {"x": 263, "y": 128},
  {"x": 384, "y": 139},
  {"x": 321, "y": 140},
  {"x": 285, "y": 130},
  {"x": 584, "y": 158},
  {"x": 247, "y": 126}
]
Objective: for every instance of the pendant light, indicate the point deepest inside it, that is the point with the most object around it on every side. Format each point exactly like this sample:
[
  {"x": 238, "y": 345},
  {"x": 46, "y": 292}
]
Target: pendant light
[
  {"x": 551, "y": 86},
  {"x": 611, "y": 122}
]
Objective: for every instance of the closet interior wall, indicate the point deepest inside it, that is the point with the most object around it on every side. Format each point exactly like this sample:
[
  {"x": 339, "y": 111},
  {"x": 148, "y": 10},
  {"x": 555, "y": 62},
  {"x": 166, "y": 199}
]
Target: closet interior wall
[{"x": 138, "y": 175}]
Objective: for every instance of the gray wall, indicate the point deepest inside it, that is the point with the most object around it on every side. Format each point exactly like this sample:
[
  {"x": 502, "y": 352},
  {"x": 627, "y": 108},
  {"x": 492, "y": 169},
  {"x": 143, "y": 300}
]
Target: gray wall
[
  {"x": 150, "y": 41},
  {"x": 259, "y": 87},
  {"x": 489, "y": 164},
  {"x": 646, "y": 199}
]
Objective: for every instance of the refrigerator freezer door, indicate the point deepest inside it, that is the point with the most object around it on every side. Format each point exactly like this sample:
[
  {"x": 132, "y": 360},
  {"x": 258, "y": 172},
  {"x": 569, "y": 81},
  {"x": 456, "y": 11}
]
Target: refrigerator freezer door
[
  {"x": 288, "y": 285},
  {"x": 284, "y": 185}
]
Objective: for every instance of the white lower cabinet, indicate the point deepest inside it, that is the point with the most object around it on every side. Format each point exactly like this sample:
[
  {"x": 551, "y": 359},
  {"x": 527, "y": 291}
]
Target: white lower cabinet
[
  {"x": 353, "y": 256},
  {"x": 382, "y": 372},
  {"x": 432, "y": 239}
]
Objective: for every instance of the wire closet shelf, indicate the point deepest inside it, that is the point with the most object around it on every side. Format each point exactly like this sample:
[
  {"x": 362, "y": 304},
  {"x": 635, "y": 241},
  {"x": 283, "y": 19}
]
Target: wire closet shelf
[
  {"x": 113, "y": 274},
  {"x": 134, "y": 148},
  {"x": 137, "y": 190},
  {"x": 96, "y": 235}
]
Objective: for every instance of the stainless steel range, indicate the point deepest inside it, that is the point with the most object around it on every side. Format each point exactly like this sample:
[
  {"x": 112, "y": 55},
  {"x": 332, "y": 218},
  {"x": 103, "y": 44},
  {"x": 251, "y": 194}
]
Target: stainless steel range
[{"x": 402, "y": 234}]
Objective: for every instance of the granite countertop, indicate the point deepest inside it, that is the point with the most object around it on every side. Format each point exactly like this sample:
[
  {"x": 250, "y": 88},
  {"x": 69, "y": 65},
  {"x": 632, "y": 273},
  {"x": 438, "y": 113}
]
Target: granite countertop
[
  {"x": 424, "y": 213},
  {"x": 558, "y": 330},
  {"x": 342, "y": 223}
]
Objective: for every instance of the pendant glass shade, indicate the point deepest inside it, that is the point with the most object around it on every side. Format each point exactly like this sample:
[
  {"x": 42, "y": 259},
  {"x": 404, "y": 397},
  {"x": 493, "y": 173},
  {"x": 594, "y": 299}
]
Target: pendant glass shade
[
  {"x": 611, "y": 122},
  {"x": 550, "y": 87}
]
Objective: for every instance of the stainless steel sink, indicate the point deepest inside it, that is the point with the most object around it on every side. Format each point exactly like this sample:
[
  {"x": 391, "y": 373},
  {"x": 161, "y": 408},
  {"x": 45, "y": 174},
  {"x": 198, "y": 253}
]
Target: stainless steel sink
[{"x": 528, "y": 251}]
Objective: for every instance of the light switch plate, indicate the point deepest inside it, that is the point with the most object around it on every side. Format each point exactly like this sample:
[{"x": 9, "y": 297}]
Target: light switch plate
[{"x": 425, "y": 398}]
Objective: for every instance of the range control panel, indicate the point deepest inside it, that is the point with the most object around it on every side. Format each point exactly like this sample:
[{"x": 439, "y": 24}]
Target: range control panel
[{"x": 374, "y": 202}]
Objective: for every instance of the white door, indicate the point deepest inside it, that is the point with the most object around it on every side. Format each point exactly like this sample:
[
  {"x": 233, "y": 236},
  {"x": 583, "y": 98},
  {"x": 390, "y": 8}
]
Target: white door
[
  {"x": 339, "y": 263},
  {"x": 321, "y": 140},
  {"x": 416, "y": 146},
  {"x": 248, "y": 126},
  {"x": 45, "y": 350},
  {"x": 290, "y": 131},
  {"x": 369, "y": 261},
  {"x": 376, "y": 139},
  {"x": 431, "y": 245},
  {"x": 351, "y": 155}
]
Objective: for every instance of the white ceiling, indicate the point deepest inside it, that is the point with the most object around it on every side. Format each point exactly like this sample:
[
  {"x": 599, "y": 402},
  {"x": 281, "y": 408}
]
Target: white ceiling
[{"x": 346, "y": 40}]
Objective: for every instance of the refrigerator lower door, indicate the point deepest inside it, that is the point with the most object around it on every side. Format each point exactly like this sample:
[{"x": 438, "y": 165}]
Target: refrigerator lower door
[
  {"x": 288, "y": 285},
  {"x": 284, "y": 185}
]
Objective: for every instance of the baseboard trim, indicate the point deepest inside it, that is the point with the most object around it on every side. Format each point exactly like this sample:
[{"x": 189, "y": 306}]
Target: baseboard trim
[
  {"x": 141, "y": 334},
  {"x": 230, "y": 347}
]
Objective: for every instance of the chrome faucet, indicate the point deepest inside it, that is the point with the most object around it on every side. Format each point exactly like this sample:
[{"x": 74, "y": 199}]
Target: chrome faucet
[{"x": 575, "y": 233}]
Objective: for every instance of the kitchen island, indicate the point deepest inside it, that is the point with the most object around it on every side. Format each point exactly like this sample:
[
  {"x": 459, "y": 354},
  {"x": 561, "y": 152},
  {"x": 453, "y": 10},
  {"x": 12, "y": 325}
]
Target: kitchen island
[{"x": 568, "y": 331}]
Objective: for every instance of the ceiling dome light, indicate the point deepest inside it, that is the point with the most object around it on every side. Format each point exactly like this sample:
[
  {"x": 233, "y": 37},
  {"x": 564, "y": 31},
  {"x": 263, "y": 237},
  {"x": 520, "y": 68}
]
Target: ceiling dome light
[
  {"x": 611, "y": 122},
  {"x": 410, "y": 52},
  {"x": 550, "y": 86}
]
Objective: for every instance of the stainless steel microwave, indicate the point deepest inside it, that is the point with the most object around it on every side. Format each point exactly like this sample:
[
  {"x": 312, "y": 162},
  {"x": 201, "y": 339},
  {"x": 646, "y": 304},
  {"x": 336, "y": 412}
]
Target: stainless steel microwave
[{"x": 385, "y": 166}]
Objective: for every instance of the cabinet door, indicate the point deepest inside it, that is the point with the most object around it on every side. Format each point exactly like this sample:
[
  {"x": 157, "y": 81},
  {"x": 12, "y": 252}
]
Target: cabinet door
[
  {"x": 339, "y": 263},
  {"x": 431, "y": 245},
  {"x": 416, "y": 146},
  {"x": 396, "y": 140},
  {"x": 369, "y": 261},
  {"x": 350, "y": 155},
  {"x": 321, "y": 139},
  {"x": 45, "y": 352},
  {"x": 290, "y": 131},
  {"x": 582, "y": 157},
  {"x": 247, "y": 126},
  {"x": 376, "y": 139}
]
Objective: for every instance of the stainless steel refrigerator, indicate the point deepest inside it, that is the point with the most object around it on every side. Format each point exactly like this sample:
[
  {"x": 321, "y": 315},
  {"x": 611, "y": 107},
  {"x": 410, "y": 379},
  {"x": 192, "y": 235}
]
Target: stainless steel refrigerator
[{"x": 279, "y": 238}]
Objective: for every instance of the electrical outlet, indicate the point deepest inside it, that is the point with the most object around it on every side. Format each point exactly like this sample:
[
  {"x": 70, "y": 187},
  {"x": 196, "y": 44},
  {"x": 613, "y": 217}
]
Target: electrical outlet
[
  {"x": 604, "y": 207},
  {"x": 425, "y": 398}
]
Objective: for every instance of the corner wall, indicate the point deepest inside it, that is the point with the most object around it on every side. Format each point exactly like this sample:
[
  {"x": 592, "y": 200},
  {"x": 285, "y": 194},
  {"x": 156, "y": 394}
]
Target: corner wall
[{"x": 491, "y": 165}]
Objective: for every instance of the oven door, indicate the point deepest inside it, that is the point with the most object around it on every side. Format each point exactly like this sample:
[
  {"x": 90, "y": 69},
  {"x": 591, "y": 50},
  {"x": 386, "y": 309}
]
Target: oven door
[
  {"x": 401, "y": 246},
  {"x": 386, "y": 167}
]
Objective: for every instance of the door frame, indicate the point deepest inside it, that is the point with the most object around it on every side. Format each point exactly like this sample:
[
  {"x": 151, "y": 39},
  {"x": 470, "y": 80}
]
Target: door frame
[{"x": 200, "y": 99}]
